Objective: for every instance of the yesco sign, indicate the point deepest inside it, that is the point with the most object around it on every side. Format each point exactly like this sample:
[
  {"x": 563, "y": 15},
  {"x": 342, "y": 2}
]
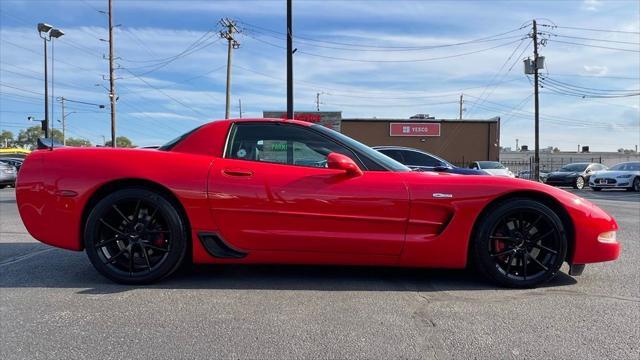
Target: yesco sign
[{"x": 414, "y": 129}]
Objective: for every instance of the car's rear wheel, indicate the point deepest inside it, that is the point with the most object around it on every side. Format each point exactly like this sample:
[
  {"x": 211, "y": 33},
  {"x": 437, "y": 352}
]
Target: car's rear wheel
[
  {"x": 578, "y": 183},
  {"x": 520, "y": 243},
  {"x": 135, "y": 236}
]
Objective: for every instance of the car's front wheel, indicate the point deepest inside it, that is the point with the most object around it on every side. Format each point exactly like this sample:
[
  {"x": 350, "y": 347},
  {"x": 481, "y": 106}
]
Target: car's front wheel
[
  {"x": 135, "y": 236},
  {"x": 596, "y": 188},
  {"x": 578, "y": 183},
  {"x": 520, "y": 243},
  {"x": 635, "y": 186}
]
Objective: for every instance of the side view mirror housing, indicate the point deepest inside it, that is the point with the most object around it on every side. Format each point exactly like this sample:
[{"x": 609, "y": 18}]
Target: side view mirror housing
[{"x": 342, "y": 162}]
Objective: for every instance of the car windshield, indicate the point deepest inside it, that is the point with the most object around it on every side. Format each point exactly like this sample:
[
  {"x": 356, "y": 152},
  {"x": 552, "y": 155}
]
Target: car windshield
[
  {"x": 630, "y": 166},
  {"x": 574, "y": 168},
  {"x": 376, "y": 156},
  {"x": 490, "y": 165}
]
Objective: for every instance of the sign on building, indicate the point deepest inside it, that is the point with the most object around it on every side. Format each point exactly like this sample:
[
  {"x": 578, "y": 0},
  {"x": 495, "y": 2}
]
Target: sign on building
[
  {"x": 330, "y": 119},
  {"x": 414, "y": 129}
]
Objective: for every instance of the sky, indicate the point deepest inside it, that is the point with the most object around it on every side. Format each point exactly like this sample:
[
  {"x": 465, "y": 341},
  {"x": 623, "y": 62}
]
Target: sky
[{"x": 384, "y": 59}]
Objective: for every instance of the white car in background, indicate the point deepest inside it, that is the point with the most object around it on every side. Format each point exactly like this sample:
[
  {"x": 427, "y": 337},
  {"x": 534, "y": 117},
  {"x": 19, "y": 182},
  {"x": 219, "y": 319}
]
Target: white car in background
[
  {"x": 492, "y": 167},
  {"x": 625, "y": 175}
]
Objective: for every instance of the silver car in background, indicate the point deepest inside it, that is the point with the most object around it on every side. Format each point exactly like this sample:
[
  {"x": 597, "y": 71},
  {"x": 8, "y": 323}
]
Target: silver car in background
[
  {"x": 625, "y": 175},
  {"x": 8, "y": 175}
]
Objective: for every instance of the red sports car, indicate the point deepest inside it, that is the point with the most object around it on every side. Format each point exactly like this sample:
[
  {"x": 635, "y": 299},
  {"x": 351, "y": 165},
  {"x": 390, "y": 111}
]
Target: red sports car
[{"x": 286, "y": 191}]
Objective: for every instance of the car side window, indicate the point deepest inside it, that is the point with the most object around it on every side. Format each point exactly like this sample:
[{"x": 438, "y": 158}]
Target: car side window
[
  {"x": 394, "y": 154},
  {"x": 282, "y": 144},
  {"x": 419, "y": 159}
]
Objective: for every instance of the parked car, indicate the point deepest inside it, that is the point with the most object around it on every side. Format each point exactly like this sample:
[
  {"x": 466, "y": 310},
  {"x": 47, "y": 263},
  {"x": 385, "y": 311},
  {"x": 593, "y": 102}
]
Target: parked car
[
  {"x": 625, "y": 175},
  {"x": 15, "y": 162},
  {"x": 528, "y": 174},
  {"x": 7, "y": 175},
  {"x": 419, "y": 160},
  {"x": 235, "y": 194},
  {"x": 576, "y": 174},
  {"x": 492, "y": 168}
]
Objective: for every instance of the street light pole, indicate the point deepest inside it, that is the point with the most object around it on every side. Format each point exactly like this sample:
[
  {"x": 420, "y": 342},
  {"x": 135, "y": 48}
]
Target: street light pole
[{"x": 43, "y": 30}]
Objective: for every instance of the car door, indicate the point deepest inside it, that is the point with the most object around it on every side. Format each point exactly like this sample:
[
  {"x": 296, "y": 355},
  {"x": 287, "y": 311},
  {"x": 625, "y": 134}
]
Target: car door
[{"x": 272, "y": 191}]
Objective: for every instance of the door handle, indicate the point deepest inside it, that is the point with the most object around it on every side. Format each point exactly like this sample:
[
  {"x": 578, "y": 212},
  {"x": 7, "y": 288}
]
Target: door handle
[{"x": 237, "y": 172}]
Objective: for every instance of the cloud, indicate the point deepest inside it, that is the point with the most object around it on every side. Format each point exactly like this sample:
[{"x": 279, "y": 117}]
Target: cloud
[
  {"x": 591, "y": 5},
  {"x": 596, "y": 69}
]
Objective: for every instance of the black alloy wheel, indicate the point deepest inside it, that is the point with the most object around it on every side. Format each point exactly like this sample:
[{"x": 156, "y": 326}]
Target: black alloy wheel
[
  {"x": 521, "y": 244},
  {"x": 636, "y": 185},
  {"x": 135, "y": 236}
]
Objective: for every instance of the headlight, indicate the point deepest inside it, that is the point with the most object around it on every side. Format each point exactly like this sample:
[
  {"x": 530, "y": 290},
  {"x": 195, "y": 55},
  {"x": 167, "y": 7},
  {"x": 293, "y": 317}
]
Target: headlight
[
  {"x": 625, "y": 176},
  {"x": 607, "y": 237}
]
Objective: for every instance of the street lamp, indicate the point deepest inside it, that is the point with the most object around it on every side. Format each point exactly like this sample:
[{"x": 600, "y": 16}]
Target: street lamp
[{"x": 46, "y": 32}]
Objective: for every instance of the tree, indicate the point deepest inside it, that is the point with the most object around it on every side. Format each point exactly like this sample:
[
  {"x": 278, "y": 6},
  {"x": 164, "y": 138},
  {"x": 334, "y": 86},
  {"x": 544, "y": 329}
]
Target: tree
[
  {"x": 121, "y": 142},
  {"x": 78, "y": 142},
  {"x": 28, "y": 138},
  {"x": 6, "y": 139}
]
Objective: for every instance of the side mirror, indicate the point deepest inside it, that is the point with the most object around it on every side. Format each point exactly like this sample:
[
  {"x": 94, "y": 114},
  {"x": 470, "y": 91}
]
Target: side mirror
[{"x": 342, "y": 162}]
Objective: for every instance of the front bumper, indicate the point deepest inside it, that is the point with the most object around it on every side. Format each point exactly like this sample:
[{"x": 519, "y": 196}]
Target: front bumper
[
  {"x": 610, "y": 183},
  {"x": 560, "y": 181},
  {"x": 590, "y": 245}
]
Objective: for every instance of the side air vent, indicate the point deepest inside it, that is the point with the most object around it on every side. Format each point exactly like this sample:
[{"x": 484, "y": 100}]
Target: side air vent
[{"x": 216, "y": 247}]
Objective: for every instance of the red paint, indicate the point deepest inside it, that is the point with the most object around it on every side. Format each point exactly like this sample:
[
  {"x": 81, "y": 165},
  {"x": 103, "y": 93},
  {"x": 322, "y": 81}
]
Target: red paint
[
  {"x": 414, "y": 129},
  {"x": 291, "y": 214}
]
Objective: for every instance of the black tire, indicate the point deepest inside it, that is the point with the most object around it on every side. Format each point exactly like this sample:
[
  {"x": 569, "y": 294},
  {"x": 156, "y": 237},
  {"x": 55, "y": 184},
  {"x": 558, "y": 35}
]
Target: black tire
[
  {"x": 579, "y": 183},
  {"x": 596, "y": 188},
  {"x": 3, "y": 186},
  {"x": 135, "y": 236},
  {"x": 520, "y": 243},
  {"x": 635, "y": 185}
]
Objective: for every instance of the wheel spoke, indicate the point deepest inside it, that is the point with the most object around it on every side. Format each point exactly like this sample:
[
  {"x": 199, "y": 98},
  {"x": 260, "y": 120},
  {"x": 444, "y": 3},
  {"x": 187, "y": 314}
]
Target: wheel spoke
[
  {"x": 136, "y": 212},
  {"x": 524, "y": 264},
  {"x": 121, "y": 214},
  {"x": 542, "y": 247},
  {"x": 504, "y": 238},
  {"x": 158, "y": 232},
  {"x": 152, "y": 215},
  {"x": 544, "y": 235},
  {"x": 146, "y": 257},
  {"x": 131, "y": 259},
  {"x": 538, "y": 262},
  {"x": 509, "y": 260},
  {"x": 534, "y": 223},
  {"x": 114, "y": 257},
  {"x": 105, "y": 242},
  {"x": 153, "y": 247},
  {"x": 111, "y": 227},
  {"x": 503, "y": 253}
]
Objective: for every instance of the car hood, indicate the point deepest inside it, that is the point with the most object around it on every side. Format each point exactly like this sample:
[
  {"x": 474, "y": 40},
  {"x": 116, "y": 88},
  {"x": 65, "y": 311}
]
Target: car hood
[
  {"x": 504, "y": 172},
  {"x": 612, "y": 174},
  {"x": 563, "y": 173}
]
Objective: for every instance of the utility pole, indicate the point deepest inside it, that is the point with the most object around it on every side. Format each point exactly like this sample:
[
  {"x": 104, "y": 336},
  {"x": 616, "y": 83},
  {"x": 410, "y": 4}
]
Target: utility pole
[
  {"x": 289, "y": 61},
  {"x": 240, "y": 107},
  {"x": 536, "y": 156},
  {"x": 64, "y": 125},
  {"x": 112, "y": 83},
  {"x": 318, "y": 101},
  {"x": 229, "y": 28},
  {"x": 517, "y": 140},
  {"x": 461, "y": 102}
]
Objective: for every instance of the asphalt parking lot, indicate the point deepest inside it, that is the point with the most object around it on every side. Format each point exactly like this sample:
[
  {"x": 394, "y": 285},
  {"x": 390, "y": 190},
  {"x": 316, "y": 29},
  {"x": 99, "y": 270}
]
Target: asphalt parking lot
[{"x": 54, "y": 305}]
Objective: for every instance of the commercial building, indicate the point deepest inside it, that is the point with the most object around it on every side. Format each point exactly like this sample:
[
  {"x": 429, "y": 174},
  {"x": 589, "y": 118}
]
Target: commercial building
[{"x": 458, "y": 141}]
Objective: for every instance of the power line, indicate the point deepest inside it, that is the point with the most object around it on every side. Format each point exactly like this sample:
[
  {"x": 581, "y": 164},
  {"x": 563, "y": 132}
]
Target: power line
[
  {"x": 391, "y": 61},
  {"x": 593, "y": 46},
  {"x": 299, "y": 38},
  {"x": 591, "y": 29},
  {"x": 591, "y": 39}
]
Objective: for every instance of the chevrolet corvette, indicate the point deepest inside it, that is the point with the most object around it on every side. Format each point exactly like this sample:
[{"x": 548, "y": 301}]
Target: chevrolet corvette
[{"x": 285, "y": 191}]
